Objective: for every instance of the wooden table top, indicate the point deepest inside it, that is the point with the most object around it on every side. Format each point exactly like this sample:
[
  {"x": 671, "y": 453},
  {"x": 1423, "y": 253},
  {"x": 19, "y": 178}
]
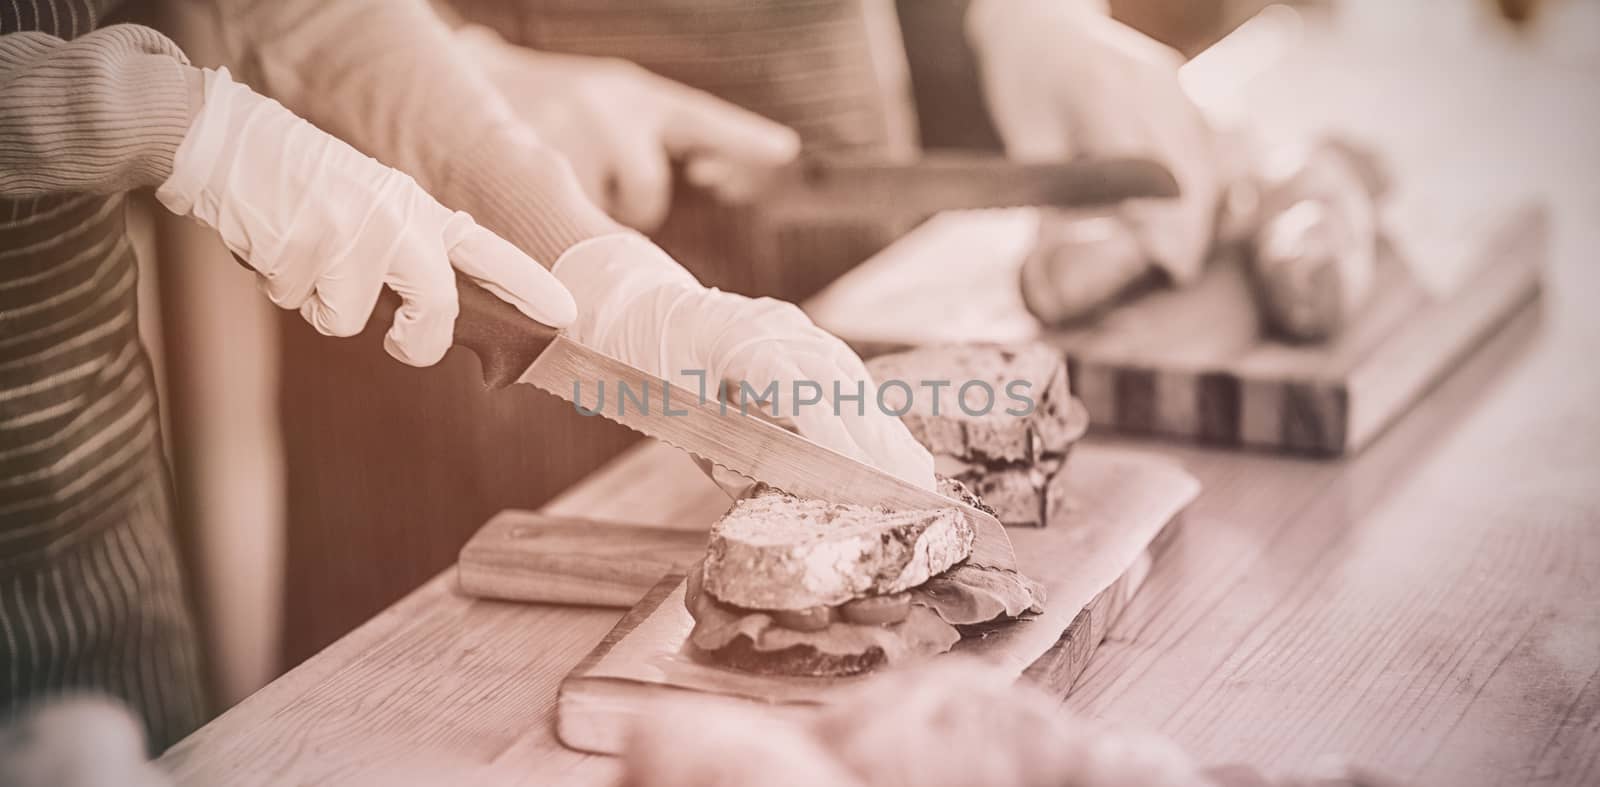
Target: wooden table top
[{"x": 1430, "y": 607}]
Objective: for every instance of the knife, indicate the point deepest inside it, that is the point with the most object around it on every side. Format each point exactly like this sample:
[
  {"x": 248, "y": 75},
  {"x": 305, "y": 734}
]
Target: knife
[
  {"x": 833, "y": 184},
  {"x": 515, "y": 349}
]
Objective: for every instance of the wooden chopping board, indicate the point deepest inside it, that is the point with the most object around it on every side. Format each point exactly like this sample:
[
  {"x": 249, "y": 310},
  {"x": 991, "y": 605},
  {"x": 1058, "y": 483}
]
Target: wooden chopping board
[
  {"x": 530, "y": 556},
  {"x": 1092, "y": 560},
  {"x": 1194, "y": 364}
]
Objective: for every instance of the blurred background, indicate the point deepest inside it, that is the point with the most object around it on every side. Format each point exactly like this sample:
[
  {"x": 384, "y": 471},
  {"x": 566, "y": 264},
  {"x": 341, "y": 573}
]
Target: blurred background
[{"x": 319, "y": 481}]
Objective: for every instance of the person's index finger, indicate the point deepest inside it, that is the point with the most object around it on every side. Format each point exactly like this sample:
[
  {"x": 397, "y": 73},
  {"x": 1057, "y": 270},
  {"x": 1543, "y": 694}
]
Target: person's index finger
[
  {"x": 698, "y": 123},
  {"x": 501, "y": 268}
]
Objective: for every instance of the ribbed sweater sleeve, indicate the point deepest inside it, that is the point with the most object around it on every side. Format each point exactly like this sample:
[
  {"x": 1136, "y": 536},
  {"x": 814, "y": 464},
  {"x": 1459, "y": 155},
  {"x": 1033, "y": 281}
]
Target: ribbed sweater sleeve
[
  {"x": 385, "y": 76},
  {"x": 102, "y": 113}
]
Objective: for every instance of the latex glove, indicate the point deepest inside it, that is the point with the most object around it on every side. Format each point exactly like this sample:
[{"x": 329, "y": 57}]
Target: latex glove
[
  {"x": 960, "y": 721},
  {"x": 1064, "y": 80},
  {"x": 1323, "y": 772},
  {"x": 78, "y": 742},
  {"x": 957, "y": 722},
  {"x": 327, "y": 227},
  {"x": 620, "y": 125},
  {"x": 693, "y": 744},
  {"x": 1080, "y": 264},
  {"x": 637, "y": 304}
]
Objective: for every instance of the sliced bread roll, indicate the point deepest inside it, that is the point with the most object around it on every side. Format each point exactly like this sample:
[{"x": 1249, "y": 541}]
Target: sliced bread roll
[
  {"x": 774, "y": 551},
  {"x": 1020, "y": 496},
  {"x": 1010, "y": 459},
  {"x": 966, "y": 597},
  {"x": 976, "y": 426}
]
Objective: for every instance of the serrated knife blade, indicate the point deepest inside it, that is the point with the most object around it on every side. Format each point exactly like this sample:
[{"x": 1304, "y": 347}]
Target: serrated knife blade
[
  {"x": 515, "y": 349},
  {"x": 743, "y": 443},
  {"x": 838, "y": 184}
]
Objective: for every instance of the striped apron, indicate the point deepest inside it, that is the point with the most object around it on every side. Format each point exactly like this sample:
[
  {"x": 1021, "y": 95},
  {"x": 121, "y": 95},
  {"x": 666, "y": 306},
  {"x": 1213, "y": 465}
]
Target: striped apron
[{"x": 91, "y": 593}]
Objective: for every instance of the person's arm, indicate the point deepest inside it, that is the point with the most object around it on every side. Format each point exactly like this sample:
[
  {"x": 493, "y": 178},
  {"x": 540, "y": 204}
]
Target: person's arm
[
  {"x": 103, "y": 113},
  {"x": 384, "y": 76},
  {"x": 326, "y": 227}
]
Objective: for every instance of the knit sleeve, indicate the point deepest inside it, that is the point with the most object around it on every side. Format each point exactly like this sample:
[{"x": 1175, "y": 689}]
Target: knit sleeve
[
  {"x": 102, "y": 113},
  {"x": 385, "y": 76}
]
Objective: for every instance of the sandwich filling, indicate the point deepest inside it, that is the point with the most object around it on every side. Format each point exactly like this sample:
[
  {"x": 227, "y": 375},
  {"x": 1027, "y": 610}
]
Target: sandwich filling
[
  {"x": 923, "y": 621},
  {"x": 806, "y": 587}
]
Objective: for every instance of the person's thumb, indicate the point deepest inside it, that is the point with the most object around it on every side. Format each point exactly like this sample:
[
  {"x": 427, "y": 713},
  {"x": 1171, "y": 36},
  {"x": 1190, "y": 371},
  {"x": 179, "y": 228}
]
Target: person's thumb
[{"x": 501, "y": 268}]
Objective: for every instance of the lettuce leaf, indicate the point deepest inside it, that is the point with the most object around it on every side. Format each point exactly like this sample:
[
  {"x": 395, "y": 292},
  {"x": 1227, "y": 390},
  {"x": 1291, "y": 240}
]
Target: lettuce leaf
[
  {"x": 967, "y": 595},
  {"x": 964, "y": 595}
]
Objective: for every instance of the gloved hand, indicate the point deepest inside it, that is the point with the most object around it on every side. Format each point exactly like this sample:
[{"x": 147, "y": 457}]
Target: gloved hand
[
  {"x": 956, "y": 722},
  {"x": 620, "y": 126},
  {"x": 77, "y": 742},
  {"x": 327, "y": 227},
  {"x": 1062, "y": 80},
  {"x": 639, "y": 305}
]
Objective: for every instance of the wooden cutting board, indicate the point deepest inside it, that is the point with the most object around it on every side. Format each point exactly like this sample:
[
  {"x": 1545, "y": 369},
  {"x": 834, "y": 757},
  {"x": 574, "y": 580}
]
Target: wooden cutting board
[
  {"x": 530, "y": 556},
  {"x": 1091, "y": 560},
  {"x": 1195, "y": 364}
]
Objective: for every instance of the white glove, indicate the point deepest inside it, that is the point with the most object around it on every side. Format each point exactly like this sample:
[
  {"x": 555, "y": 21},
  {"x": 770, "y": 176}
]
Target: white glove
[
  {"x": 619, "y": 125},
  {"x": 953, "y": 722},
  {"x": 327, "y": 227},
  {"x": 1062, "y": 79},
  {"x": 637, "y": 304},
  {"x": 77, "y": 742}
]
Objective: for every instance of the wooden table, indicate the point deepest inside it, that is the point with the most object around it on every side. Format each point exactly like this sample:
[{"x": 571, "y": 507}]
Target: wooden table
[{"x": 1430, "y": 607}]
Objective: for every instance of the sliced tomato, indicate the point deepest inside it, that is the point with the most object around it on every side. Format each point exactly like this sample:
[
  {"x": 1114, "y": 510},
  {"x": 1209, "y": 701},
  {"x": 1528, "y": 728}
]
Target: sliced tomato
[
  {"x": 877, "y": 610},
  {"x": 810, "y": 619}
]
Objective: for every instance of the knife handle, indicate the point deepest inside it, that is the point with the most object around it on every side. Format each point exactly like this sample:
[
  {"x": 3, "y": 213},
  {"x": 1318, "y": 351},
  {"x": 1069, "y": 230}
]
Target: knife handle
[{"x": 505, "y": 340}]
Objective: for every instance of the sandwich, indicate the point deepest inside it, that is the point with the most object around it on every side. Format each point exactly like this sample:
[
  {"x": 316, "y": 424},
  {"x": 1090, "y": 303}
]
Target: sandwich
[
  {"x": 791, "y": 586},
  {"x": 1001, "y": 419}
]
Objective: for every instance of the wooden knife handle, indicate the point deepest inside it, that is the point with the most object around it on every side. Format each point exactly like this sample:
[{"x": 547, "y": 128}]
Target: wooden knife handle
[
  {"x": 505, "y": 340},
  {"x": 529, "y": 556}
]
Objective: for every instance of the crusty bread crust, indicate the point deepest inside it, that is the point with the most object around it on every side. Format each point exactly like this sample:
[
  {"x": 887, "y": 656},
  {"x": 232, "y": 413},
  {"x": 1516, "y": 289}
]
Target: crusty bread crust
[
  {"x": 1020, "y": 496},
  {"x": 774, "y": 551},
  {"x": 996, "y": 436},
  {"x": 1010, "y": 460}
]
